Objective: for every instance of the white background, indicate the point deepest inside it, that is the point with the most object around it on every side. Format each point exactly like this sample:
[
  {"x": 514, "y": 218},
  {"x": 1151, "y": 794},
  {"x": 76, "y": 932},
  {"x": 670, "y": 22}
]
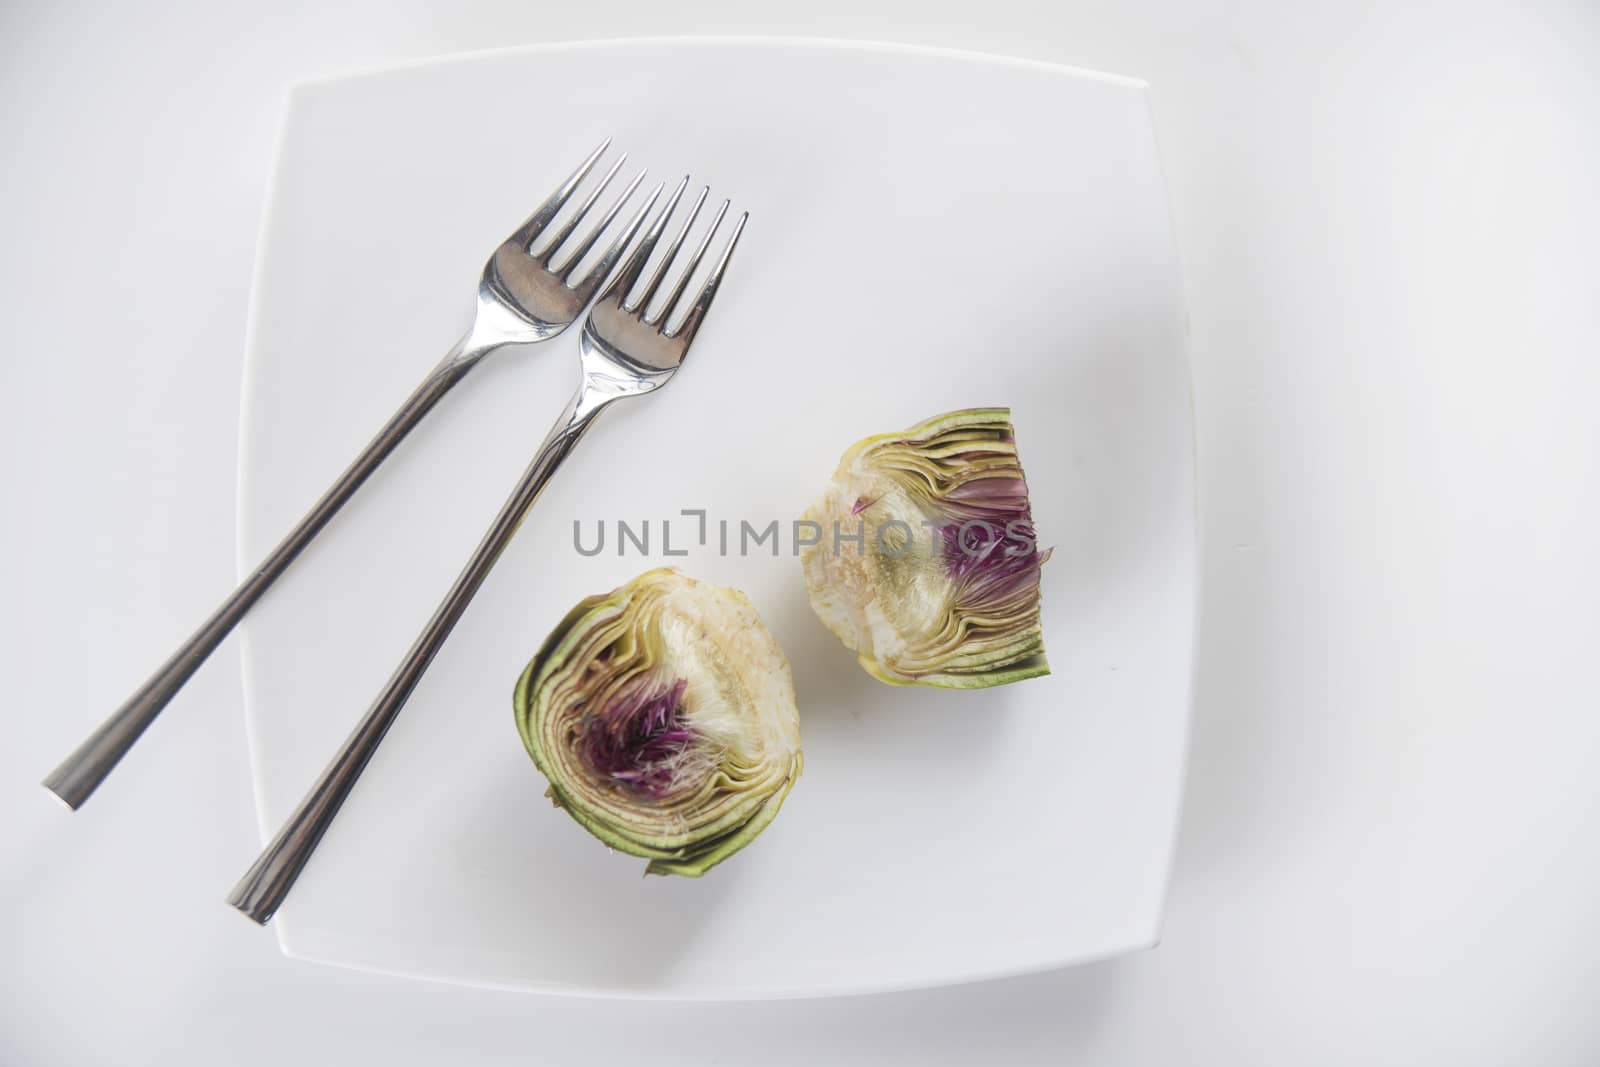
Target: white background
[{"x": 1388, "y": 221}]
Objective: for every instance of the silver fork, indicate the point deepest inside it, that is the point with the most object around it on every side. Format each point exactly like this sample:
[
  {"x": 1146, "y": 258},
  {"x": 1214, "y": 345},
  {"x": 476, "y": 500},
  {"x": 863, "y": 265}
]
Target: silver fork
[
  {"x": 624, "y": 352},
  {"x": 523, "y": 298}
]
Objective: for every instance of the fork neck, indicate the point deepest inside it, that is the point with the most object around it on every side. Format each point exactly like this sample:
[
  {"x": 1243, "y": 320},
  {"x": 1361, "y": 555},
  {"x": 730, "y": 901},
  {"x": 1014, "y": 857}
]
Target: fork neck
[{"x": 468, "y": 352}]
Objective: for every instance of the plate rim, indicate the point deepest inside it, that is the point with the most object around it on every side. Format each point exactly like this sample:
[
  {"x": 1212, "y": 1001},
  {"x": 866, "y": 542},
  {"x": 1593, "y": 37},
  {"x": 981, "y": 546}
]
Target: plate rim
[{"x": 849, "y": 44}]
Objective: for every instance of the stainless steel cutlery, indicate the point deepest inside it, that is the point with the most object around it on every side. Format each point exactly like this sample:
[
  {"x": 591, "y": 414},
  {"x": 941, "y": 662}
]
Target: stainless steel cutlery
[
  {"x": 533, "y": 287},
  {"x": 623, "y": 352}
]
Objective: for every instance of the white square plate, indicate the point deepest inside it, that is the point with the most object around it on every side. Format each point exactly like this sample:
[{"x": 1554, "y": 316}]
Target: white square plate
[{"x": 928, "y": 231}]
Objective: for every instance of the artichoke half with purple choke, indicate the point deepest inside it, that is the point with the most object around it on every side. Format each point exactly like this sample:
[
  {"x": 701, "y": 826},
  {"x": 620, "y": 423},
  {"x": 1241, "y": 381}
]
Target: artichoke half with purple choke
[
  {"x": 663, "y": 714},
  {"x": 925, "y": 562}
]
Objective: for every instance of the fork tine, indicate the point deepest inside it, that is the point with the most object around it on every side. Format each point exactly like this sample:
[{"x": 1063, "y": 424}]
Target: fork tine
[
  {"x": 607, "y": 261},
  {"x": 621, "y": 285},
  {"x": 571, "y": 224},
  {"x": 547, "y": 211},
  {"x": 708, "y": 292},
  {"x": 588, "y": 242},
  {"x": 670, "y": 254},
  {"x": 688, "y": 272}
]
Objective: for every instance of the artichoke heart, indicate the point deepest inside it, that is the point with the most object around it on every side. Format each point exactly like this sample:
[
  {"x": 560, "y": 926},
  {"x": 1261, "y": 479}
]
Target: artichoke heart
[
  {"x": 663, "y": 714},
  {"x": 924, "y": 562}
]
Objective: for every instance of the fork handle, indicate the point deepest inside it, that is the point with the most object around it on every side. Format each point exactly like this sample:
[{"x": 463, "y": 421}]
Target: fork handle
[
  {"x": 82, "y": 772},
  {"x": 264, "y": 887}
]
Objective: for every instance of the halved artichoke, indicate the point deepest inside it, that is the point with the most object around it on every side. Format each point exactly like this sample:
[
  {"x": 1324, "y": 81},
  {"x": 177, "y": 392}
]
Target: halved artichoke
[
  {"x": 925, "y": 562},
  {"x": 663, "y": 714}
]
